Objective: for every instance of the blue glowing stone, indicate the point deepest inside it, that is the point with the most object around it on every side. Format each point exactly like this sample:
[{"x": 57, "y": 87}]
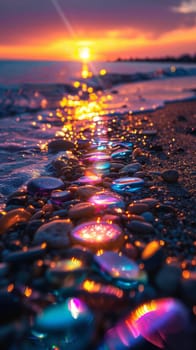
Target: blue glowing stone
[
  {"x": 121, "y": 153},
  {"x": 126, "y": 185},
  {"x": 69, "y": 325}
]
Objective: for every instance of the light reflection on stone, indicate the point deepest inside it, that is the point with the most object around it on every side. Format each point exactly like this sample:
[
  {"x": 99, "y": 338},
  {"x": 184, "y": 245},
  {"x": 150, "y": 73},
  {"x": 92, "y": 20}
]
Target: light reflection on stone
[
  {"x": 124, "y": 272},
  {"x": 69, "y": 325},
  {"x": 97, "y": 235},
  {"x": 107, "y": 199},
  {"x": 127, "y": 185},
  {"x": 159, "y": 322}
]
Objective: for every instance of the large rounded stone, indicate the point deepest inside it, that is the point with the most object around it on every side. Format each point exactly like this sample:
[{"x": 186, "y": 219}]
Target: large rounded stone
[
  {"x": 55, "y": 234},
  {"x": 44, "y": 184},
  {"x": 13, "y": 217}
]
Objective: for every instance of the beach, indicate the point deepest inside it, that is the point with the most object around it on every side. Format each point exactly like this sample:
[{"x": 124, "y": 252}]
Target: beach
[{"x": 128, "y": 177}]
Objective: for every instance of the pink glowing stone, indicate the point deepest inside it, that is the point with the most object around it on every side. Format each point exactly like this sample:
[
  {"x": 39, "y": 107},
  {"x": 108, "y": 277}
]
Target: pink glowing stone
[{"x": 98, "y": 235}]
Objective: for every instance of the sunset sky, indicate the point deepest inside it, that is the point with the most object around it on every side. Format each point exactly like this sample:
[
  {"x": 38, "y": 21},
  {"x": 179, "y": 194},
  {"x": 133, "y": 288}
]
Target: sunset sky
[{"x": 58, "y": 29}]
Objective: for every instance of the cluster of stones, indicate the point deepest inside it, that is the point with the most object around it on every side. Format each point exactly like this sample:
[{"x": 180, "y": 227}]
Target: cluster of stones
[{"x": 84, "y": 253}]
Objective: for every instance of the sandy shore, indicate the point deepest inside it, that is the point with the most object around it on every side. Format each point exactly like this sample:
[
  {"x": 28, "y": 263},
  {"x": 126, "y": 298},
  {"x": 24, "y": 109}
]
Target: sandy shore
[{"x": 174, "y": 146}]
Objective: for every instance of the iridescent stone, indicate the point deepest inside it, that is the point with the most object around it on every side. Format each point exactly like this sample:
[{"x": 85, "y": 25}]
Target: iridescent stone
[
  {"x": 98, "y": 235},
  {"x": 100, "y": 295},
  {"x": 69, "y": 325},
  {"x": 44, "y": 184},
  {"x": 126, "y": 144},
  {"x": 67, "y": 272},
  {"x": 58, "y": 197},
  {"x": 127, "y": 185},
  {"x": 96, "y": 157},
  {"x": 106, "y": 199},
  {"x": 88, "y": 180},
  {"x": 160, "y": 322},
  {"x": 121, "y": 153},
  {"x": 123, "y": 271},
  {"x": 13, "y": 217}
]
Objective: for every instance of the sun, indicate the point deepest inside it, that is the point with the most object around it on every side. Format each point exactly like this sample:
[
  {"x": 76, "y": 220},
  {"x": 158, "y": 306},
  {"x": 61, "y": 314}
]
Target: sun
[{"x": 84, "y": 54}]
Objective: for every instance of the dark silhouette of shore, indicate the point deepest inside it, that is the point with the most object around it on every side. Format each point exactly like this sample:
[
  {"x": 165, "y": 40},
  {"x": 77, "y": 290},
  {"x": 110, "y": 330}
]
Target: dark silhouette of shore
[{"x": 185, "y": 58}]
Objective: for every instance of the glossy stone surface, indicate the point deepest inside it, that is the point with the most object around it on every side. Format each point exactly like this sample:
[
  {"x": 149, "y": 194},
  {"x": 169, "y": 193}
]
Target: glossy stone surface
[
  {"x": 160, "y": 322},
  {"x": 13, "y": 217},
  {"x": 98, "y": 235},
  {"x": 54, "y": 233},
  {"x": 44, "y": 184},
  {"x": 121, "y": 153},
  {"x": 126, "y": 185},
  {"x": 58, "y": 197},
  {"x": 96, "y": 157},
  {"x": 68, "y": 325},
  {"x": 123, "y": 270},
  {"x": 106, "y": 199},
  {"x": 88, "y": 180}
]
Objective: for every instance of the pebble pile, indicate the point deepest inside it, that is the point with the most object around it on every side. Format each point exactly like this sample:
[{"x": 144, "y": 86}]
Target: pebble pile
[{"x": 93, "y": 256}]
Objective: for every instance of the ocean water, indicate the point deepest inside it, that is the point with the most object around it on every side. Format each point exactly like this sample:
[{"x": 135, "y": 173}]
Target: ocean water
[
  {"x": 19, "y": 72},
  {"x": 27, "y": 114}
]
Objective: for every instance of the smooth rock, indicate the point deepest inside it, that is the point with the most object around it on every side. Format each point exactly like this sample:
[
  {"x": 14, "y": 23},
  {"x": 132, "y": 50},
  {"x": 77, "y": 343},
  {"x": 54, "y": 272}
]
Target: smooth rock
[
  {"x": 170, "y": 176},
  {"x": 58, "y": 197},
  {"x": 130, "y": 169},
  {"x": 160, "y": 322},
  {"x": 44, "y": 184},
  {"x": 98, "y": 235},
  {"x": 86, "y": 191},
  {"x": 124, "y": 271},
  {"x": 140, "y": 227},
  {"x": 55, "y": 234},
  {"x": 81, "y": 210},
  {"x": 121, "y": 153},
  {"x": 151, "y": 202},
  {"x": 127, "y": 185},
  {"x": 148, "y": 216},
  {"x": 137, "y": 208},
  {"x": 116, "y": 166},
  {"x": 69, "y": 325},
  {"x": 30, "y": 254},
  {"x": 13, "y": 217}
]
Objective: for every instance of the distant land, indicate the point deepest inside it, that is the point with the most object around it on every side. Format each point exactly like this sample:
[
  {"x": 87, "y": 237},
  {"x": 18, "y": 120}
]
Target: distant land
[{"x": 185, "y": 58}]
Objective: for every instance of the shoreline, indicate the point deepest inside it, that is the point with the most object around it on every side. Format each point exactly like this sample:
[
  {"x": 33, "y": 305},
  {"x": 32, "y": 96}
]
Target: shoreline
[{"x": 162, "y": 140}]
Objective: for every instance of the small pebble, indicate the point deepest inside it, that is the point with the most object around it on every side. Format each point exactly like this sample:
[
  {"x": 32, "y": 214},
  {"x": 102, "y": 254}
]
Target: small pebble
[
  {"x": 140, "y": 227},
  {"x": 170, "y": 176}
]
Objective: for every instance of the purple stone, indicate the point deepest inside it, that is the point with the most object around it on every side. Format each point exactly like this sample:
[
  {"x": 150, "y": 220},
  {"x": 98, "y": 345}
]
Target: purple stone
[
  {"x": 160, "y": 322},
  {"x": 44, "y": 184}
]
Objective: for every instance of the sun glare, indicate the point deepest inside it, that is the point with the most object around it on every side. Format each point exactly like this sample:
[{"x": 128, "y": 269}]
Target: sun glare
[{"x": 84, "y": 53}]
